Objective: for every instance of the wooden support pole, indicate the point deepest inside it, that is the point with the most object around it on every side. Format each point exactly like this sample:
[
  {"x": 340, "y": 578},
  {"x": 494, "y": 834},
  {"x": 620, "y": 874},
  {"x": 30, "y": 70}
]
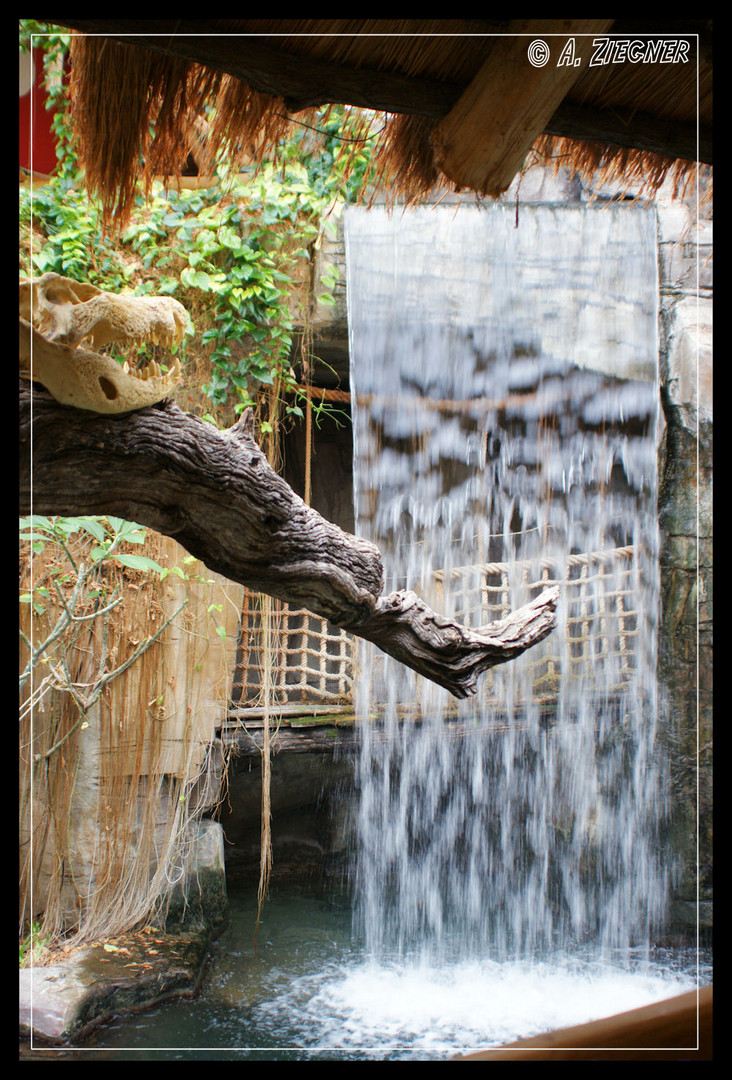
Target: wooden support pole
[{"x": 483, "y": 141}]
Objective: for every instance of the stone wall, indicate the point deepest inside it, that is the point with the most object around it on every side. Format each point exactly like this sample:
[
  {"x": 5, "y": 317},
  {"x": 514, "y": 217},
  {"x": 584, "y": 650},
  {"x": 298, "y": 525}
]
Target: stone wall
[{"x": 685, "y": 514}]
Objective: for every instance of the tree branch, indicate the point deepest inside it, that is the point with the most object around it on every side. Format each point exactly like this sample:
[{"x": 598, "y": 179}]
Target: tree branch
[{"x": 214, "y": 492}]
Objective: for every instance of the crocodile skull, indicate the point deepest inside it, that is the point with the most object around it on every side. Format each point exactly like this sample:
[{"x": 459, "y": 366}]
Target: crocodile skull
[
  {"x": 89, "y": 380},
  {"x": 65, "y": 313}
]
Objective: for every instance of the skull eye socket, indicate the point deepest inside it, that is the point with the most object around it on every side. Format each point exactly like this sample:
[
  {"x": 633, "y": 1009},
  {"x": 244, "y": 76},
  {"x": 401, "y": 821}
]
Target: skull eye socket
[{"x": 108, "y": 388}]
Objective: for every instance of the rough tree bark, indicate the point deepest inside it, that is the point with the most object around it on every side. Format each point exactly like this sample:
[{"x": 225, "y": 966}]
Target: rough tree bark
[{"x": 214, "y": 492}]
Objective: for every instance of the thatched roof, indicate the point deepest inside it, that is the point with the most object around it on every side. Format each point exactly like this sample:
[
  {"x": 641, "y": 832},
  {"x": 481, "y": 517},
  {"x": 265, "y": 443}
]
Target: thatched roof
[{"x": 463, "y": 104}]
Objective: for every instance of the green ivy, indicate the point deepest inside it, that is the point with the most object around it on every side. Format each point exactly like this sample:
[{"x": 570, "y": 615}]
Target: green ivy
[
  {"x": 54, "y": 41},
  {"x": 235, "y": 251}
]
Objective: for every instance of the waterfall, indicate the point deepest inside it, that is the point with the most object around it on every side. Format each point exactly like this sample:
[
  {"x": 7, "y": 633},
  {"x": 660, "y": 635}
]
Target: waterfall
[{"x": 505, "y": 410}]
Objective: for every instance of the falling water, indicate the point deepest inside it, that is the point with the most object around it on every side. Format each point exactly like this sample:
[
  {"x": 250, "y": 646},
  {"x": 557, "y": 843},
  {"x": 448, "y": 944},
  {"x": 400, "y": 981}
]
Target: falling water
[{"x": 505, "y": 438}]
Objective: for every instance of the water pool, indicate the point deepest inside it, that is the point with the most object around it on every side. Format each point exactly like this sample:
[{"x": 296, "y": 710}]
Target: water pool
[{"x": 310, "y": 992}]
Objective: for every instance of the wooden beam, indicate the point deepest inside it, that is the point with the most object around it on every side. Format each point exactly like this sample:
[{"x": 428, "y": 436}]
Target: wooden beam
[
  {"x": 632, "y": 129},
  {"x": 483, "y": 141},
  {"x": 300, "y": 80},
  {"x": 246, "y": 741}
]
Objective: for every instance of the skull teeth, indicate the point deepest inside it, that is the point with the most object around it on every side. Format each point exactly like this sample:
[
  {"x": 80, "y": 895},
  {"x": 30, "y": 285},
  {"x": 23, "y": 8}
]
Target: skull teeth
[{"x": 154, "y": 371}]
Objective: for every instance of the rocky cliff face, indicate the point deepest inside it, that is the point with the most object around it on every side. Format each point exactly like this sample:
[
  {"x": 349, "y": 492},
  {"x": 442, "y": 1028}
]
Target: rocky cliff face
[{"x": 685, "y": 514}]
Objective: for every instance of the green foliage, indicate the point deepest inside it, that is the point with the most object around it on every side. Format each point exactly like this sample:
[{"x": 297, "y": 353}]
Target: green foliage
[
  {"x": 83, "y": 593},
  {"x": 32, "y": 945},
  {"x": 55, "y": 45},
  {"x": 73, "y": 243},
  {"x": 232, "y": 253},
  {"x": 107, "y": 535}
]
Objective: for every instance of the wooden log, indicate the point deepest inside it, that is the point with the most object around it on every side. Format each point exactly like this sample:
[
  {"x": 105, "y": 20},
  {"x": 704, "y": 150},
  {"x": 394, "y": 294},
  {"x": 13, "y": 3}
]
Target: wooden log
[
  {"x": 483, "y": 141},
  {"x": 677, "y": 1029},
  {"x": 247, "y": 741},
  {"x": 214, "y": 493}
]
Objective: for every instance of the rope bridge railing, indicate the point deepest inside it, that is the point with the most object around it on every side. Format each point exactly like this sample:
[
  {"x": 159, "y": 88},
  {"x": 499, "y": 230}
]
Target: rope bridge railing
[
  {"x": 598, "y": 636},
  {"x": 312, "y": 663}
]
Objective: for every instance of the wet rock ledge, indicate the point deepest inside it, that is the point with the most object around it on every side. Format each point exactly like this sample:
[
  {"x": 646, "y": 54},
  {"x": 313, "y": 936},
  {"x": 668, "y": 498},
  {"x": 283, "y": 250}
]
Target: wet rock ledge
[{"x": 60, "y": 1002}]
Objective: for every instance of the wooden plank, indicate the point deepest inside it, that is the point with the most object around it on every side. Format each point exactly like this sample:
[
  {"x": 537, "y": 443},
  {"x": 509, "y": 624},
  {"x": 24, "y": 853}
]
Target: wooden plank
[
  {"x": 677, "y": 1029},
  {"x": 483, "y": 141},
  {"x": 323, "y": 713},
  {"x": 248, "y": 743}
]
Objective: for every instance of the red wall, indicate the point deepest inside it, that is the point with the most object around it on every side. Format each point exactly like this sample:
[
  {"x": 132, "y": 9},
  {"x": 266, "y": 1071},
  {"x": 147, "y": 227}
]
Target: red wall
[{"x": 36, "y": 137}]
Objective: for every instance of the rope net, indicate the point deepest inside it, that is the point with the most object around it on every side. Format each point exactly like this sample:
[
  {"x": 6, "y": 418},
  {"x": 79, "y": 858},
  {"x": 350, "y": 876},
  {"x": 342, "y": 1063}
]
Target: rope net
[{"x": 313, "y": 663}]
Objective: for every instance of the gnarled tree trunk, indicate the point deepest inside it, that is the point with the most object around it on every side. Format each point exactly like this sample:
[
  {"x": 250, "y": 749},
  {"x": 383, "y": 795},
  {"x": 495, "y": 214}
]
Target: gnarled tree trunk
[{"x": 214, "y": 492}]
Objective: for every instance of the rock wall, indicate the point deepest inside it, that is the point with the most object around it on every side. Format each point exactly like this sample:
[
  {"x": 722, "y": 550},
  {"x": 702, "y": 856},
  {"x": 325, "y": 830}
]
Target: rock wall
[{"x": 685, "y": 514}]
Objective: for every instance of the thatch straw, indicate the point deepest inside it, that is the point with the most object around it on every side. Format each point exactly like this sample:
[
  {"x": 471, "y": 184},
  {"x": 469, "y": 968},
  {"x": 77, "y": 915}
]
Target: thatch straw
[
  {"x": 641, "y": 171},
  {"x": 405, "y": 163},
  {"x": 135, "y": 112},
  {"x": 118, "y": 94}
]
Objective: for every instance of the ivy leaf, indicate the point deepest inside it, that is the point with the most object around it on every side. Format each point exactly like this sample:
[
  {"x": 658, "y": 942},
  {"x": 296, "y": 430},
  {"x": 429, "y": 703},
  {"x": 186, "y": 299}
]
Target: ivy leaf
[
  {"x": 196, "y": 279},
  {"x": 230, "y": 239}
]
